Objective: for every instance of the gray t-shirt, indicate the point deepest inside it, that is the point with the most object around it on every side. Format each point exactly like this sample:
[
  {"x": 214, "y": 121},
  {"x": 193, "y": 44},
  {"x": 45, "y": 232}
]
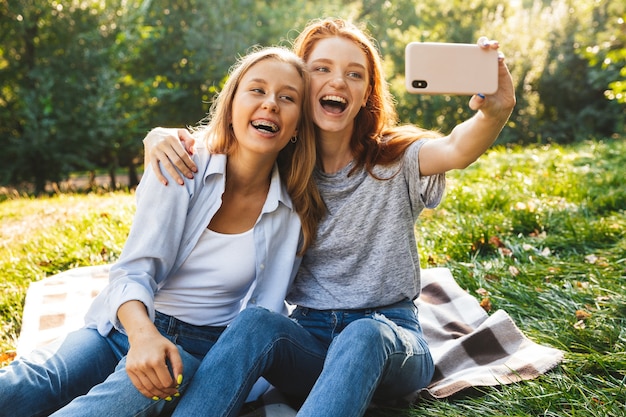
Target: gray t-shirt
[{"x": 365, "y": 254}]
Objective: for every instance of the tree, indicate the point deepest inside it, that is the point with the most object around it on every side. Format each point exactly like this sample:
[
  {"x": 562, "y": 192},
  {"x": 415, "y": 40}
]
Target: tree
[
  {"x": 573, "y": 92},
  {"x": 82, "y": 81},
  {"x": 58, "y": 63},
  {"x": 602, "y": 43}
]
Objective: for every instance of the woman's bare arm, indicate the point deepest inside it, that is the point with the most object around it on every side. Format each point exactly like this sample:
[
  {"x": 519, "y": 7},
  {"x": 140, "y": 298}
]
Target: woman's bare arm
[{"x": 470, "y": 139}]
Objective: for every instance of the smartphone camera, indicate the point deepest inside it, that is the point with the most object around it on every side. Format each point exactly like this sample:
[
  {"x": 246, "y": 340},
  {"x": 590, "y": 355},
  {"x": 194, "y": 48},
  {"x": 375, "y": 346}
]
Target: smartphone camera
[{"x": 419, "y": 84}]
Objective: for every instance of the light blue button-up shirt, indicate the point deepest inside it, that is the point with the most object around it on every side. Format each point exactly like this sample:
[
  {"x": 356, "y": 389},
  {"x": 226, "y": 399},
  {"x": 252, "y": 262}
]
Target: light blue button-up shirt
[{"x": 167, "y": 225}]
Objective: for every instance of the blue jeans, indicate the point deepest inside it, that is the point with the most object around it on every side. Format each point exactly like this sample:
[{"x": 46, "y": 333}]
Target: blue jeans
[
  {"x": 338, "y": 361},
  {"x": 84, "y": 374}
]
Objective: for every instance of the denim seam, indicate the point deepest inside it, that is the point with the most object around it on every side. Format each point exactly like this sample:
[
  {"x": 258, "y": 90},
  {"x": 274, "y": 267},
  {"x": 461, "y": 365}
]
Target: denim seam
[{"x": 247, "y": 380}]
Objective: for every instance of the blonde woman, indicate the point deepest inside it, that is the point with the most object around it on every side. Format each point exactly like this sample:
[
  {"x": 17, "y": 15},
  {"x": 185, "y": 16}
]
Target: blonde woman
[{"x": 229, "y": 239}]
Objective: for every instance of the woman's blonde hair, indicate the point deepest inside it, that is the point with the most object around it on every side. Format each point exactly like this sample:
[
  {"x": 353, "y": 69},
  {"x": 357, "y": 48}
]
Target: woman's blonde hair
[
  {"x": 296, "y": 160},
  {"x": 376, "y": 138}
]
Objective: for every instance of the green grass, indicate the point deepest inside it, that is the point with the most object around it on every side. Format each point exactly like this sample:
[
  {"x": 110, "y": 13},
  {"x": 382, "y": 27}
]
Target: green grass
[
  {"x": 44, "y": 236},
  {"x": 539, "y": 231},
  {"x": 542, "y": 231}
]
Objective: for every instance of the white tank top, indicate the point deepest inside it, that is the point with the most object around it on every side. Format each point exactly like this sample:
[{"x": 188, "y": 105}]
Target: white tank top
[{"x": 209, "y": 287}]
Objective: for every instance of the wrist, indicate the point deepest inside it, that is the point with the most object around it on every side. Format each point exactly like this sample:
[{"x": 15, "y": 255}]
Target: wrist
[{"x": 498, "y": 118}]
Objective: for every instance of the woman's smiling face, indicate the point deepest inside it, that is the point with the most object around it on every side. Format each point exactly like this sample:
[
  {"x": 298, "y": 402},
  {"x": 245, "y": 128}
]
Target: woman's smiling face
[
  {"x": 339, "y": 83},
  {"x": 266, "y": 106}
]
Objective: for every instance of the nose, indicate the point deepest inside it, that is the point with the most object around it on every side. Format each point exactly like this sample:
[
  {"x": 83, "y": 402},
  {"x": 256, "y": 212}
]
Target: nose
[
  {"x": 270, "y": 103},
  {"x": 338, "y": 81}
]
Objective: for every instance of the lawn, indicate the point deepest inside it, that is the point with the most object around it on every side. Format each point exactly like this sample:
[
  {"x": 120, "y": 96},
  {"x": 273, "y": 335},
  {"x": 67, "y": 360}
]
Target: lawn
[{"x": 536, "y": 231}]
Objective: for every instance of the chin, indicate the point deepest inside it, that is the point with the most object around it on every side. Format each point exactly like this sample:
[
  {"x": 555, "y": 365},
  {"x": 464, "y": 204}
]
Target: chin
[{"x": 331, "y": 126}]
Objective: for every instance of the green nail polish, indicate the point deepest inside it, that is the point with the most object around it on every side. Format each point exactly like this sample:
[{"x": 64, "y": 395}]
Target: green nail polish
[
  {"x": 155, "y": 398},
  {"x": 168, "y": 398},
  {"x": 177, "y": 394},
  {"x": 179, "y": 379}
]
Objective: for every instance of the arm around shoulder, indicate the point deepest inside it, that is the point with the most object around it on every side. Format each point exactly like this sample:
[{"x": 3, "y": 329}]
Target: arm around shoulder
[{"x": 170, "y": 149}]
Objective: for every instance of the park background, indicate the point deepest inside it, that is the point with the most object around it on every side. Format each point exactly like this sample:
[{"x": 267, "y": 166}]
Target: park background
[
  {"x": 535, "y": 227},
  {"x": 82, "y": 81}
]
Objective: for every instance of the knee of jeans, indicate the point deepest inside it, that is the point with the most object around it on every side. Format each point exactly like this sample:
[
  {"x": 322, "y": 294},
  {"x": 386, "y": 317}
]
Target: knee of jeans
[
  {"x": 405, "y": 337},
  {"x": 382, "y": 332},
  {"x": 367, "y": 332},
  {"x": 258, "y": 321},
  {"x": 254, "y": 313}
]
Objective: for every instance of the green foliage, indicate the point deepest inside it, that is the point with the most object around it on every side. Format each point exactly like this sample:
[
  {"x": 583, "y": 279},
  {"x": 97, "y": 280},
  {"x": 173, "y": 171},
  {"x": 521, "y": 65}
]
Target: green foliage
[
  {"x": 603, "y": 45},
  {"x": 46, "y": 43},
  {"x": 81, "y": 82},
  {"x": 565, "y": 199},
  {"x": 572, "y": 92}
]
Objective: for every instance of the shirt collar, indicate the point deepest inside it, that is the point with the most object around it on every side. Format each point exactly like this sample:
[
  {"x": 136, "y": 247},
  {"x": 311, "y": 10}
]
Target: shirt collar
[
  {"x": 217, "y": 165},
  {"x": 276, "y": 194}
]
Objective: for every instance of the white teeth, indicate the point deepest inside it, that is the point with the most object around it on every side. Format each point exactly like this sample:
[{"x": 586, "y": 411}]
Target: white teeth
[
  {"x": 335, "y": 98},
  {"x": 265, "y": 125}
]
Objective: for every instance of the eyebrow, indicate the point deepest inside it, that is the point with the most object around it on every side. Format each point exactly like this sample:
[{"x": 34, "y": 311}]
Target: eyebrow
[
  {"x": 264, "y": 81},
  {"x": 330, "y": 61}
]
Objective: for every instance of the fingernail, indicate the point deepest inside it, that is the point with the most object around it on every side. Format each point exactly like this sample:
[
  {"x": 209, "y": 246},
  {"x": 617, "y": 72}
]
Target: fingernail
[
  {"x": 481, "y": 95},
  {"x": 168, "y": 398},
  {"x": 177, "y": 394},
  {"x": 179, "y": 380},
  {"x": 155, "y": 398}
]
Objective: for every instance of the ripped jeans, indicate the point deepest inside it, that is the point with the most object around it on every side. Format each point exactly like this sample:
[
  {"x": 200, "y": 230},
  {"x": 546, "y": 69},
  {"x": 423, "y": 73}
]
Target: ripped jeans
[{"x": 338, "y": 361}]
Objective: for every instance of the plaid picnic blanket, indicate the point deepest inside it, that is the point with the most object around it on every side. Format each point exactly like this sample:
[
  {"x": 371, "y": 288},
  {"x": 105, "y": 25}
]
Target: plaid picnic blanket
[{"x": 470, "y": 348}]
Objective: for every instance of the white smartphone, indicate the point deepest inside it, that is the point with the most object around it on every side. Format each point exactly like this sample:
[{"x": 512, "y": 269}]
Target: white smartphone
[{"x": 450, "y": 68}]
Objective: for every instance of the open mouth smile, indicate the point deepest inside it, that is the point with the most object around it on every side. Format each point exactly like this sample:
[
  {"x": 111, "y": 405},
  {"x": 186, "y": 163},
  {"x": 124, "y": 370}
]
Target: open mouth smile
[
  {"x": 333, "y": 104},
  {"x": 265, "y": 126}
]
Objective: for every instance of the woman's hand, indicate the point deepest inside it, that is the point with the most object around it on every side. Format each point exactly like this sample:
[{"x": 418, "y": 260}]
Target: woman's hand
[
  {"x": 153, "y": 363},
  {"x": 500, "y": 104},
  {"x": 170, "y": 149},
  {"x": 147, "y": 365}
]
